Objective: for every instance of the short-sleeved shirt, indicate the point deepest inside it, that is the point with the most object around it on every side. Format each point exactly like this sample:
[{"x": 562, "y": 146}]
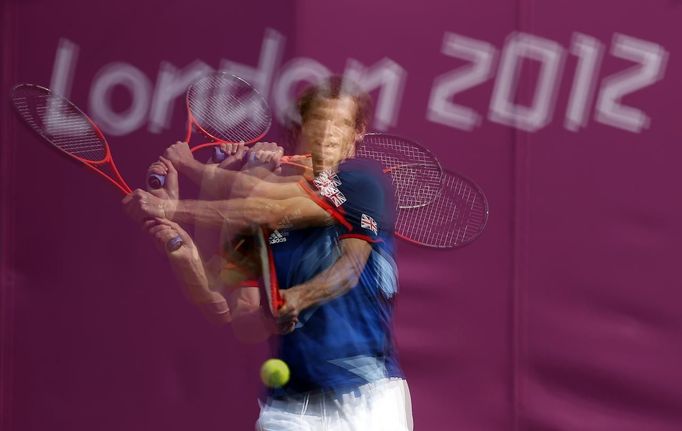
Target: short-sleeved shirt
[{"x": 347, "y": 341}]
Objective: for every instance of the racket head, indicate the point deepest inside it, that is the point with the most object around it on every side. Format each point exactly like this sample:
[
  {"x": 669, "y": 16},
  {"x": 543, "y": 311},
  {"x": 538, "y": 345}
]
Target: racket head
[
  {"x": 414, "y": 170},
  {"x": 61, "y": 123},
  {"x": 455, "y": 218},
  {"x": 226, "y": 108}
]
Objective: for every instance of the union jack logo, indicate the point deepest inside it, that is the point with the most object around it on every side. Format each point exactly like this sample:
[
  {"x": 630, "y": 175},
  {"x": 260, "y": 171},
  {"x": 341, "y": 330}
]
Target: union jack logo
[
  {"x": 327, "y": 183},
  {"x": 326, "y": 179},
  {"x": 337, "y": 199},
  {"x": 368, "y": 222}
]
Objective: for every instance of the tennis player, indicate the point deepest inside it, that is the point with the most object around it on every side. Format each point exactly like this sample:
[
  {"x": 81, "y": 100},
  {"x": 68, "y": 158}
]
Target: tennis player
[{"x": 332, "y": 241}]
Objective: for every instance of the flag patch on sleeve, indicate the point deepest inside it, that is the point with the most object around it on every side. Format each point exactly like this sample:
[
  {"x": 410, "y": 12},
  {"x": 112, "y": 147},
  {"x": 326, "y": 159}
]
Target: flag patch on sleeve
[{"x": 368, "y": 222}]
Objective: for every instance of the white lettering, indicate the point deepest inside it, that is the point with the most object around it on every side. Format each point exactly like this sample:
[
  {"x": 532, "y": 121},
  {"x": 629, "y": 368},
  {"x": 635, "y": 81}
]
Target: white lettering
[
  {"x": 652, "y": 60},
  {"x": 503, "y": 109},
  {"x": 387, "y": 75},
  {"x": 135, "y": 82}
]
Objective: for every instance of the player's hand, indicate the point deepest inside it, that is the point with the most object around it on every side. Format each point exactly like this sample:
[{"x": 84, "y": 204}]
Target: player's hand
[
  {"x": 141, "y": 205},
  {"x": 287, "y": 315},
  {"x": 170, "y": 189},
  {"x": 179, "y": 155},
  {"x": 163, "y": 230},
  {"x": 234, "y": 156},
  {"x": 264, "y": 154}
]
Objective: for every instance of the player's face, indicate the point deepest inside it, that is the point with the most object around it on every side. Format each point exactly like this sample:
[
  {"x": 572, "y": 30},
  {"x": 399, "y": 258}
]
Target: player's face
[{"x": 328, "y": 132}]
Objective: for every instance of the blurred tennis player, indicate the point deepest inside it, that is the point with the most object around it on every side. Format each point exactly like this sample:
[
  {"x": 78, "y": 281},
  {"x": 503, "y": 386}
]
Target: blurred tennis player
[{"x": 333, "y": 247}]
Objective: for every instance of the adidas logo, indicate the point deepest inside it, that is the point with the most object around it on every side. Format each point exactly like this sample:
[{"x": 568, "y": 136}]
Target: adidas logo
[{"x": 276, "y": 237}]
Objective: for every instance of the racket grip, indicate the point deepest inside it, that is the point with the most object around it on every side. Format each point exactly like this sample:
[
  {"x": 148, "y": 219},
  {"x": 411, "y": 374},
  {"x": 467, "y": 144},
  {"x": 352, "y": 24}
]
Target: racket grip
[
  {"x": 174, "y": 244},
  {"x": 218, "y": 155},
  {"x": 156, "y": 181}
]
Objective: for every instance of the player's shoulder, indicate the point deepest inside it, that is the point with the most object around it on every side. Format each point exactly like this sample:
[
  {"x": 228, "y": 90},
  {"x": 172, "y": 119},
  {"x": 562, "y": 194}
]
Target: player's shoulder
[
  {"x": 361, "y": 166},
  {"x": 363, "y": 172}
]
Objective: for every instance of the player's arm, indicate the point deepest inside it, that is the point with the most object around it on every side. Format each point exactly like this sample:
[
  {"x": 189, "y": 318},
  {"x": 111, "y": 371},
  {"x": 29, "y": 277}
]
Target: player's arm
[
  {"x": 239, "y": 306},
  {"x": 331, "y": 283},
  {"x": 237, "y": 213},
  {"x": 296, "y": 212},
  {"x": 199, "y": 280},
  {"x": 189, "y": 268},
  {"x": 221, "y": 183}
]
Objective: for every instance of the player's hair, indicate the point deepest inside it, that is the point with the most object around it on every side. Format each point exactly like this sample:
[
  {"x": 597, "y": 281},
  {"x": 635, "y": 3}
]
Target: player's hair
[{"x": 335, "y": 87}]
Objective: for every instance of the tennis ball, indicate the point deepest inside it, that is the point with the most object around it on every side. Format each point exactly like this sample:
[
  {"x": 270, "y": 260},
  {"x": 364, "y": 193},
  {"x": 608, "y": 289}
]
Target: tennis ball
[{"x": 274, "y": 373}]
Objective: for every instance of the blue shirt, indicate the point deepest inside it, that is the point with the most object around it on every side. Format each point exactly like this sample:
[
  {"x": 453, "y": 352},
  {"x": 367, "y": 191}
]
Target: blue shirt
[{"x": 347, "y": 341}]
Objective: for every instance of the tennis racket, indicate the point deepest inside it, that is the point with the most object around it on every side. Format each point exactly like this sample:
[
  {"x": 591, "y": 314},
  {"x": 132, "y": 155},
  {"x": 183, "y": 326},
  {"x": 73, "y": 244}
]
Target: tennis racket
[
  {"x": 62, "y": 124},
  {"x": 455, "y": 218},
  {"x": 269, "y": 286},
  {"x": 222, "y": 108},
  {"x": 415, "y": 172}
]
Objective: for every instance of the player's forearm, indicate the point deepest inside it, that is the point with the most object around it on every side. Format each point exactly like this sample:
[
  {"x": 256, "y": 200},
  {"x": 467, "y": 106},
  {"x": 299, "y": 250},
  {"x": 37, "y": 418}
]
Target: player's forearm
[
  {"x": 224, "y": 184},
  {"x": 189, "y": 268},
  {"x": 339, "y": 278},
  {"x": 237, "y": 213},
  {"x": 336, "y": 281},
  {"x": 240, "y": 214},
  {"x": 195, "y": 170},
  {"x": 321, "y": 291},
  {"x": 253, "y": 182}
]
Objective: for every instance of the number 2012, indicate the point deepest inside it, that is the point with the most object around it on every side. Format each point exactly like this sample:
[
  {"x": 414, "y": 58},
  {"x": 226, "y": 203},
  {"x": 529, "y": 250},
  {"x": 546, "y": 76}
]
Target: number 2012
[{"x": 650, "y": 59}]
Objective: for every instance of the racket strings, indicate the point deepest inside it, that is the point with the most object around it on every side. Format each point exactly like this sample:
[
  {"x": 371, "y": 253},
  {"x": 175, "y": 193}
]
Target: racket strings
[
  {"x": 61, "y": 124},
  {"x": 455, "y": 217},
  {"x": 415, "y": 173},
  {"x": 228, "y": 108}
]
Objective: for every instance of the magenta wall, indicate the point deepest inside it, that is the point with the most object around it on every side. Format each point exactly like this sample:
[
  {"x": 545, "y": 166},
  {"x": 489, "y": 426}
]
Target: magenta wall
[{"x": 563, "y": 315}]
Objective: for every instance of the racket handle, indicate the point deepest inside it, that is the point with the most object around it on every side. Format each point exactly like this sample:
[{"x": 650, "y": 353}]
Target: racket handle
[
  {"x": 156, "y": 181},
  {"x": 218, "y": 155},
  {"x": 174, "y": 244}
]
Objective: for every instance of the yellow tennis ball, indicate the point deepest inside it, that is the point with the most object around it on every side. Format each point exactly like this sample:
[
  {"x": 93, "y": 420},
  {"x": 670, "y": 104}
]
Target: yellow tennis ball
[{"x": 274, "y": 373}]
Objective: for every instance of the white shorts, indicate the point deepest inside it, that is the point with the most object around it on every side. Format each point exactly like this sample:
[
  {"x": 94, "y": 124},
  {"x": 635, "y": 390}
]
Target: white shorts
[{"x": 383, "y": 405}]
